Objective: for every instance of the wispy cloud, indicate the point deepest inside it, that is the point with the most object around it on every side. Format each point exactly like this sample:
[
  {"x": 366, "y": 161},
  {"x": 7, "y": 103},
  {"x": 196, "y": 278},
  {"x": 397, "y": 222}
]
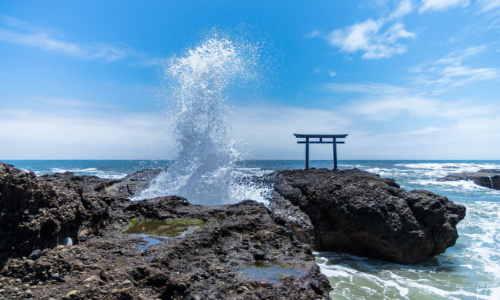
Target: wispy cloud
[
  {"x": 380, "y": 125},
  {"x": 374, "y": 89},
  {"x": 435, "y": 5},
  {"x": 382, "y": 102},
  {"x": 64, "y": 102},
  {"x": 450, "y": 71},
  {"x": 18, "y": 32},
  {"x": 405, "y": 7},
  {"x": 320, "y": 70},
  {"x": 489, "y": 5},
  {"x": 54, "y": 134},
  {"x": 483, "y": 6},
  {"x": 375, "y": 38}
]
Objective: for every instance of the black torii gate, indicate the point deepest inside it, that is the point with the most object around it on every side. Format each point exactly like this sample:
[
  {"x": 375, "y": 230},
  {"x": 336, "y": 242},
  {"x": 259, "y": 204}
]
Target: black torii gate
[{"x": 320, "y": 140}]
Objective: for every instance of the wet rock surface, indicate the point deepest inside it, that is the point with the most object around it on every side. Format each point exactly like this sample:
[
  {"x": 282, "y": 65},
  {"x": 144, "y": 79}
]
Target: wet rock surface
[
  {"x": 489, "y": 178},
  {"x": 63, "y": 237},
  {"x": 358, "y": 212}
]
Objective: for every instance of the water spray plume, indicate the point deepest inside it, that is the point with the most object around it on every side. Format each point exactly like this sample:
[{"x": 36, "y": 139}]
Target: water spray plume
[{"x": 202, "y": 171}]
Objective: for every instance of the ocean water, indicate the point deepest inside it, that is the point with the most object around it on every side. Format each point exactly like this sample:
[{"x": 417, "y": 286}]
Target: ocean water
[{"x": 469, "y": 270}]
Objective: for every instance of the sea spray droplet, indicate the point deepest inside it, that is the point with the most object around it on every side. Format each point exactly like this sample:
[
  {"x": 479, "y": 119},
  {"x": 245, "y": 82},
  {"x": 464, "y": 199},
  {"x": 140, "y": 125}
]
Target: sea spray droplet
[{"x": 202, "y": 171}]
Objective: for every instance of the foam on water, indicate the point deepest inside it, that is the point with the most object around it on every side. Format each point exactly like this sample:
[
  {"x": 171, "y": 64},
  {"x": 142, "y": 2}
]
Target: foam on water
[
  {"x": 359, "y": 278},
  {"x": 87, "y": 171},
  {"x": 469, "y": 270}
]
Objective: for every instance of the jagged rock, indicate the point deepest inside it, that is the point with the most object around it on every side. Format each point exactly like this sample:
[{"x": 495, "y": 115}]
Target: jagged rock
[
  {"x": 36, "y": 214},
  {"x": 131, "y": 184},
  {"x": 359, "y": 212},
  {"x": 110, "y": 264},
  {"x": 93, "y": 186},
  {"x": 489, "y": 178}
]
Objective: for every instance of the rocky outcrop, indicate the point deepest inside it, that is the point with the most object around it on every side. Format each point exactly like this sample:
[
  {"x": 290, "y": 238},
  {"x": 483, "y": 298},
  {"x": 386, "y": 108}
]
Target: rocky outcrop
[
  {"x": 93, "y": 186},
  {"x": 223, "y": 259},
  {"x": 36, "y": 214},
  {"x": 487, "y": 178},
  {"x": 360, "y": 213}
]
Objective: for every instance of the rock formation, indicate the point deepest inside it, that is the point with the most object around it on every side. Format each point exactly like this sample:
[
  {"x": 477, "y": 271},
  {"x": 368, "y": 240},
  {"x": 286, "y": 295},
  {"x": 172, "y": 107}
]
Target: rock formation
[
  {"x": 63, "y": 237},
  {"x": 37, "y": 214},
  {"x": 360, "y": 213},
  {"x": 486, "y": 178}
]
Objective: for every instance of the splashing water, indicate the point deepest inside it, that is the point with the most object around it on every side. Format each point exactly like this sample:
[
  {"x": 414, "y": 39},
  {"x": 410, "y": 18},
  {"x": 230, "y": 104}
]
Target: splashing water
[{"x": 202, "y": 171}]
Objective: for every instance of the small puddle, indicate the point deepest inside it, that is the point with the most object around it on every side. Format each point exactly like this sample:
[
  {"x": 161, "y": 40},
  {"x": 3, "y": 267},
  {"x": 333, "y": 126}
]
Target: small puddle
[
  {"x": 268, "y": 272},
  {"x": 150, "y": 241},
  {"x": 149, "y": 230}
]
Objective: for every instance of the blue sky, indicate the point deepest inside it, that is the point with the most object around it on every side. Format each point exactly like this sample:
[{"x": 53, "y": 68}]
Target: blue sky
[{"x": 405, "y": 79}]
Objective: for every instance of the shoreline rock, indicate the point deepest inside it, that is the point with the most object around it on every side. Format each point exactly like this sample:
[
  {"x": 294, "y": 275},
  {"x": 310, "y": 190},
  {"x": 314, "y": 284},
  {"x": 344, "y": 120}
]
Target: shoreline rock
[
  {"x": 350, "y": 211},
  {"x": 360, "y": 213},
  {"x": 103, "y": 262},
  {"x": 488, "y": 178}
]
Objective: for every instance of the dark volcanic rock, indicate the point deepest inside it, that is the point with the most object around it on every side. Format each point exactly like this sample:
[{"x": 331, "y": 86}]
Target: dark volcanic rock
[
  {"x": 487, "y": 178},
  {"x": 93, "y": 186},
  {"x": 131, "y": 184},
  {"x": 359, "y": 212},
  {"x": 36, "y": 214},
  {"x": 106, "y": 263}
]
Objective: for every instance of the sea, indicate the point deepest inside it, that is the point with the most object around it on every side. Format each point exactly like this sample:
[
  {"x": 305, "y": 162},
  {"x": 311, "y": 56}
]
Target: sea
[{"x": 468, "y": 270}]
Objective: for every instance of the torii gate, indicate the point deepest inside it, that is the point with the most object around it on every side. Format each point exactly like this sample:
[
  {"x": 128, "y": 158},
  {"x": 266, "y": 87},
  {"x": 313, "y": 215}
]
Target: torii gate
[{"x": 320, "y": 140}]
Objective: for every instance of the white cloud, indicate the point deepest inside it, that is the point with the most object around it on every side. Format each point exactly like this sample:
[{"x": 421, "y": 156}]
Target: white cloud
[
  {"x": 450, "y": 72},
  {"x": 39, "y": 40},
  {"x": 384, "y": 102},
  {"x": 25, "y": 34},
  {"x": 388, "y": 108},
  {"x": 391, "y": 122},
  {"x": 404, "y": 126},
  {"x": 404, "y": 8},
  {"x": 457, "y": 57},
  {"x": 375, "y": 38},
  {"x": 82, "y": 135},
  {"x": 73, "y": 103},
  {"x": 356, "y": 37},
  {"x": 266, "y": 131},
  {"x": 364, "y": 88},
  {"x": 326, "y": 71},
  {"x": 489, "y": 5},
  {"x": 380, "y": 126},
  {"x": 434, "y": 5},
  {"x": 460, "y": 75},
  {"x": 313, "y": 34}
]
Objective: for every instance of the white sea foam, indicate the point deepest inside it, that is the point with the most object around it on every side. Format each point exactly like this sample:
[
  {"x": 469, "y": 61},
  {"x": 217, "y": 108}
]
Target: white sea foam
[
  {"x": 74, "y": 170},
  {"x": 361, "y": 278},
  {"x": 482, "y": 230},
  {"x": 469, "y": 270},
  {"x": 463, "y": 185},
  {"x": 453, "y": 167},
  {"x": 87, "y": 171}
]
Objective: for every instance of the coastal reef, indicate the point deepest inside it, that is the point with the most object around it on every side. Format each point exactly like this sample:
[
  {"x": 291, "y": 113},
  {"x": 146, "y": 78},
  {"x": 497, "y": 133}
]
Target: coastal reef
[
  {"x": 360, "y": 213},
  {"x": 64, "y": 236},
  {"x": 486, "y": 178},
  {"x": 68, "y": 237}
]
